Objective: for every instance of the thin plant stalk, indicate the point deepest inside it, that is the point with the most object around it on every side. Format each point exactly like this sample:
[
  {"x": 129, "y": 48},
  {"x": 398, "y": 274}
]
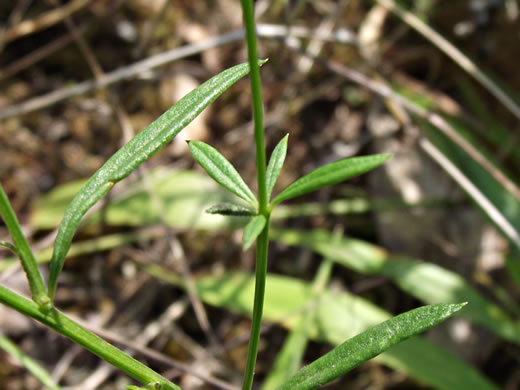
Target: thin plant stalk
[
  {"x": 258, "y": 110},
  {"x": 263, "y": 239},
  {"x": 36, "y": 283},
  {"x": 262, "y": 245},
  {"x": 62, "y": 324}
]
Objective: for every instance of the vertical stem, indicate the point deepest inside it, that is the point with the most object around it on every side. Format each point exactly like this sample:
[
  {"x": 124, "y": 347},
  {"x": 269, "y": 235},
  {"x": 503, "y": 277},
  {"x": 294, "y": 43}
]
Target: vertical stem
[
  {"x": 261, "y": 272},
  {"x": 256, "y": 90},
  {"x": 34, "y": 277},
  {"x": 263, "y": 239}
]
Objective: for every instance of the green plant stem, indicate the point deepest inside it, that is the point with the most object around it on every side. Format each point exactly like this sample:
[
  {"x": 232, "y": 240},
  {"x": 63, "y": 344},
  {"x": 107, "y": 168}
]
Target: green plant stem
[
  {"x": 258, "y": 113},
  {"x": 258, "y": 308},
  {"x": 34, "y": 277},
  {"x": 263, "y": 239},
  {"x": 68, "y": 328}
]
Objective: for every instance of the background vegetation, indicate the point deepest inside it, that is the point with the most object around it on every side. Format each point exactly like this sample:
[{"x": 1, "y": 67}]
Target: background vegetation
[{"x": 152, "y": 272}]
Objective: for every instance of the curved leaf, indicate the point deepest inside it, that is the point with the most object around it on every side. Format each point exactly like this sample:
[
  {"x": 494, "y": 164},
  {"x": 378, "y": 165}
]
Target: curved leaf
[
  {"x": 139, "y": 149},
  {"x": 369, "y": 344},
  {"x": 275, "y": 164},
  {"x": 253, "y": 230},
  {"x": 221, "y": 170},
  {"x": 330, "y": 174}
]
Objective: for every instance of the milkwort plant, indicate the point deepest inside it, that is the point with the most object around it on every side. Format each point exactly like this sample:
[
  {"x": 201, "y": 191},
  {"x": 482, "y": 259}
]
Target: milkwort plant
[{"x": 258, "y": 209}]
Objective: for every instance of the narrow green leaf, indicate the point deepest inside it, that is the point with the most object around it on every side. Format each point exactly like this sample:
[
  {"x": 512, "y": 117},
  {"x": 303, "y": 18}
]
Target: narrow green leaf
[
  {"x": 31, "y": 365},
  {"x": 275, "y": 164},
  {"x": 23, "y": 251},
  {"x": 231, "y": 209},
  {"x": 11, "y": 247},
  {"x": 369, "y": 344},
  {"x": 221, "y": 170},
  {"x": 253, "y": 230},
  {"x": 330, "y": 174},
  {"x": 139, "y": 149}
]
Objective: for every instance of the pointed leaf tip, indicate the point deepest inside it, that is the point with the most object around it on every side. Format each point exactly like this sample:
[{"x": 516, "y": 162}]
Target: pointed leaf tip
[
  {"x": 369, "y": 344},
  {"x": 221, "y": 170},
  {"x": 275, "y": 164},
  {"x": 330, "y": 174}
]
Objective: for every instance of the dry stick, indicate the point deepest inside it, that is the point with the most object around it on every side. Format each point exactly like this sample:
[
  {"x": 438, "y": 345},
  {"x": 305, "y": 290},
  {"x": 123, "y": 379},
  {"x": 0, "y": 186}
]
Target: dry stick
[
  {"x": 63, "y": 365},
  {"x": 471, "y": 189},
  {"x": 118, "y": 75},
  {"x": 148, "y": 30},
  {"x": 144, "y": 337},
  {"x": 178, "y": 254},
  {"x": 268, "y": 31},
  {"x": 14, "y": 18},
  {"x": 432, "y": 117},
  {"x": 53, "y": 46},
  {"x": 443, "y": 126},
  {"x": 455, "y": 54},
  {"x": 315, "y": 45},
  {"x": 47, "y": 19},
  {"x": 38, "y": 54}
]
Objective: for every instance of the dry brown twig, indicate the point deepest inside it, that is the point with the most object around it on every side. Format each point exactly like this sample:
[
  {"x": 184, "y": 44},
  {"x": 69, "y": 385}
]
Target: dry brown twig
[
  {"x": 442, "y": 125},
  {"x": 455, "y": 54},
  {"x": 139, "y": 67},
  {"x": 43, "y": 21}
]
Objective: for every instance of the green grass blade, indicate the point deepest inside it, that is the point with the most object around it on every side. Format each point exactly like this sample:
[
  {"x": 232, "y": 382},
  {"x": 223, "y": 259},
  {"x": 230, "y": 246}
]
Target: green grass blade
[
  {"x": 253, "y": 230},
  {"x": 369, "y": 344},
  {"x": 23, "y": 251},
  {"x": 31, "y": 365},
  {"x": 330, "y": 174},
  {"x": 425, "y": 281},
  {"x": 221, "y": 170},
  {"x": 143, "y": 146},
  {"x": 275, "y": 165},
  {"x": 231, "y": 209}
]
